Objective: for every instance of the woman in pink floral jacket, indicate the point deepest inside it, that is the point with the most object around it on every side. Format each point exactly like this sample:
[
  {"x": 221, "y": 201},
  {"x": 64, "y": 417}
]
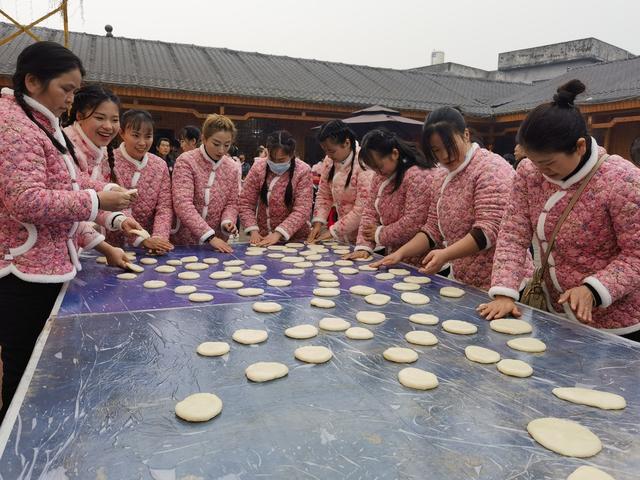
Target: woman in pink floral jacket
[
  {"x": 594, "y": 268},
  {"x": 343, "y": 184},
  {"x": 471, "y": 195},
  {"x": 205, "y": 188},
  {"x": 136, "y": 168},
  {"x": 43, "y": 199},
  {"x": 400, "y": 194},
  {"x": 277, "y": 194}
]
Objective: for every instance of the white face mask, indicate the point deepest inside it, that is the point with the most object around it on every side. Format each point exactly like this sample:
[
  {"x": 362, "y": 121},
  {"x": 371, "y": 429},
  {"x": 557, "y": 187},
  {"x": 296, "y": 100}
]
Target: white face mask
[{"x": 278, "y": 168}]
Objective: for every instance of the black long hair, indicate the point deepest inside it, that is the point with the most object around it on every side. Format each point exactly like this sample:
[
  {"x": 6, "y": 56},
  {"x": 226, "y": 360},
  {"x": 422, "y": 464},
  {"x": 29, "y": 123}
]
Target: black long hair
[
  {"x": 85, "y": 101},
  {"x": 45, "y": 61},
  {"x": 281, "y": 140},
  {"x": 556, "y": 126},
  {"x": 447, "y": 122},
  {"x": 336, "y": 131},
  {"x": 384, "y": 142}
]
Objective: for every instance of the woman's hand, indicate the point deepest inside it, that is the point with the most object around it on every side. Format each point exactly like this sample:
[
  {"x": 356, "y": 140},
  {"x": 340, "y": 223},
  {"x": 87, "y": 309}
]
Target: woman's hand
[
  {"x": 389, "y": 260},
  {"x": 499, "y": 308},
  {"x": 129, "y": 224},
  {"x": 255, "y": 237},
  {"x": 115, "y": 256},
  {"x": 270, "y": 239},
  {"x": 315, "y": 232},
  {"x": 434, "y": 261},
  {"x": 231, "y": 228},
  {"x": 112, "y": 201},
  {"x": 220, "y": 245},
  {"x": 581, "y": 300},
  {"x": 157, "y": 245}
]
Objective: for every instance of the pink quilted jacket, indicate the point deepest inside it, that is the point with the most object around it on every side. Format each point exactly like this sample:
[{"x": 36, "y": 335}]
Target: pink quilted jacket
[
  {"x": 276, "y": 217},
  {"x": 153, "y": 208},
  {"x": 205, "y": 196},
  {"x": 599, "y": 243},
  {"x": 399, "y": 215},
  {"x": 475, "y": 195},
  {"x": 42, "y": 199},
  {"x": 349, "y": 202}
]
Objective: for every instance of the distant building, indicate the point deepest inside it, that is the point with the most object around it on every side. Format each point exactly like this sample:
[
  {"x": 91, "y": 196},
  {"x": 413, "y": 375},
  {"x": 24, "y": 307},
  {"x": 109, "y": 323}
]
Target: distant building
[{"x": 181, "y": 84}]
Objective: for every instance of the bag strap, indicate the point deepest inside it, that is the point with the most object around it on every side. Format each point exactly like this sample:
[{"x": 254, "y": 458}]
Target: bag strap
[{"x": 567, "y": 210}]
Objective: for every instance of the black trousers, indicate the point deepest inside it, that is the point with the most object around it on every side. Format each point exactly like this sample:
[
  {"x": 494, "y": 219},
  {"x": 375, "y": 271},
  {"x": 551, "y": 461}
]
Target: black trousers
[
  {"x": 635, "y": 336},
  {"x": 24, "y": 307}
]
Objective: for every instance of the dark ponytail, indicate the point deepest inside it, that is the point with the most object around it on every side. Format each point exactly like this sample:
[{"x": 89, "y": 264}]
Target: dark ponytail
[
  {"x": 281, "y": 140},
  {"x": 112, "y": 163},
  {"x": 45, "y": 61},
  {"x": 383, "y": 142},
  {"x": 336, "y": 131},
  {"x": 556, "y": 126}
]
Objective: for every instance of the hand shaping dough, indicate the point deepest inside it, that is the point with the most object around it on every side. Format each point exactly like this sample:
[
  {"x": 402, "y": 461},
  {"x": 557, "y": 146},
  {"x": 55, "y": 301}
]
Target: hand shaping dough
[
  {"x": 134, "y": 268},
  {"x": 424, "y": 319},
  {"x": 267, "y": 307},
  {"x": 247, "y": 336},
  {"x": 587, "y": 472},
  {"x": 515, "y": 368},
  {"x": 400, "y": 355},
  {"x": 452, "y": 292},
  {"x": 459, "y": 326},
  {"x": 418, "y": 379},
  {"x": 148, "y": 261},
  {"x": 250, "y": 292},
  {"x": 278, "y": 282},
  {"x": 413, "y": 298},
  {"x": 266, "y": 371},
  {"x": 527, "y": 344},
  {"x": 188, "y": 275},
  {"x": 313, "y": 354},
  {"x": 213, "y": 349},
  {"x": 165, "y": 269},
  {"x": 481, "y": 354},
  {"x": 419, "y": 337},
  {"x": 230, "y": 284},
  {"x": 334, "y": 324},
  {"x": 362, "y": 290},
  {"x": 322, "y": 302},
  {"x": 140, "y": 233},
  {"x": 565, "y": 437},
  {"x": 200, "y": 297},
  {"x": 510, "y": 326},
  {"x": 199, "y": 407},
  {"x": 301, "y": 332},
  {"x": 367, "y": 268},
  {"x": 154, "y": 284},
  {"x": 592, "y": 398},
  {"x": 359, "y": 333},
  {"x": 184, "y": 289},
  {"x": 370, "y": 317},
  {"x": 377, "y": 299}
]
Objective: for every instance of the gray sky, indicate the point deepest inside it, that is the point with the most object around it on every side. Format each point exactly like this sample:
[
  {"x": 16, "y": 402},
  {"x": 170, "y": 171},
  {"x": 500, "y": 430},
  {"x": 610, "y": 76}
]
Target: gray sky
[{"x": 382, "y": 33}]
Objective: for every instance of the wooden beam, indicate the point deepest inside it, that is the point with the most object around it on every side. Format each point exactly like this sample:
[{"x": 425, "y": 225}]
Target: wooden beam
[
  {"x": 27, "y": 29},
  {"x": 633, "y": 104}
]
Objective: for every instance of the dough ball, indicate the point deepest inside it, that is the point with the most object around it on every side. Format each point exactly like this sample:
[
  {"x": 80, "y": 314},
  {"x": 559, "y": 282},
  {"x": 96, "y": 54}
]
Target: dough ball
[
  {"x": 313, "y": 354},
  {"x": 247, "y": 336},
  {"x": 127, "y": 276},
  {"x": 334, "y": 324},
  {"x": 377, "y": 299},
  {"x": 419, "y": 337},
  {"x": 451, "y": 292},
  {"x": 565, "y": 437},
  {"x": 188, "y": 275},
  {"x": 515, "y": 368},
  {"x": 424, "y": 319},
  {"x": 406, "y": 287},
  {"x": 148, "y": 261},
  {"x": 362, "y": 290},
  {"x": 459, "y": 327},
  {"x": 213, "y": 349},
  {"x": 301, "y": 332},
  {"x": 510, "y": 326},
  {"x": 370, "y": 317},
  {"x": 413, "y": 298},
  {"x": 400, "y": 355},
  {"x": 165, "y": 269},
  {"x": 199, "y": 407},
  {"x": 322, "y": 302},
  {"x": 250, "y": 292},
  {"x": 527, "y": 344},
  {"x": 267, "y": 307},
  {"x": 154, "y": 284},
  {"x": 266, "y": 371},
  {"x": 417, "y": 378},
  {"x": 220, "y": 275},
  {"x": 278, "y": 282},
  {"x": 200, "y": 297},
  {"x": 184, "y": 289},
  {"x": 359, "y": 333},
  {"x": 481, "y": 354}
]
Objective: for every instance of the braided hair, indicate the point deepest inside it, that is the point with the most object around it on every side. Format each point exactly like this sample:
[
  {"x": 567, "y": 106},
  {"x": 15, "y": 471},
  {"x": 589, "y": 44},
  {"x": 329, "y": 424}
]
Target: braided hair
[
  {"x": 45, "y": 61},
  {"x": 85, "y": 102},
  {"x": 281, "y": 140},
  {"x": 336, "y": 131}
]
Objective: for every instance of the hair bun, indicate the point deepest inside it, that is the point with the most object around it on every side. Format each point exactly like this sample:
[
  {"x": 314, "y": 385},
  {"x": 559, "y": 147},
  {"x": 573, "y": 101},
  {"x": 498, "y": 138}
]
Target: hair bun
[{"x": 568, "y": 92}]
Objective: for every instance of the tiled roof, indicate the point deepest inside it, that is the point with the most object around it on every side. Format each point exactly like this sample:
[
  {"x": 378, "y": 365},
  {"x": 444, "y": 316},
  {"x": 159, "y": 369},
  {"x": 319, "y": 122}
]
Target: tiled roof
[{"x": 192, "y": 68}]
